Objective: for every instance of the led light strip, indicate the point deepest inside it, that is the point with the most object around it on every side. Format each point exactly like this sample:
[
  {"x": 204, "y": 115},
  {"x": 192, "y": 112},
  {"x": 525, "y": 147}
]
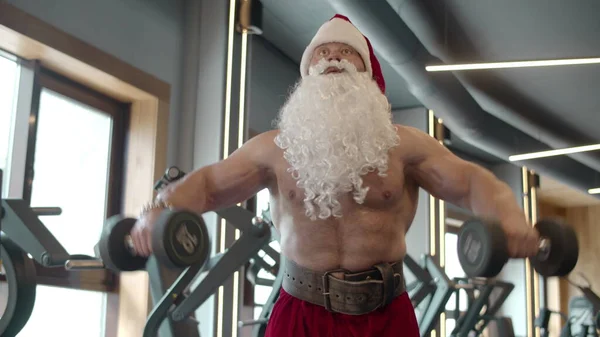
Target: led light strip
[
  {"x": 432, "y": 222},
  {"x": 594, "y": 190},
  {"x": 241, "y": 139},
  {"x": 442, "y": 211},
  {"x": 536, "y": 278},
  {"x": 226, "y": 130},
  {"x": 558, "y": 152},
  {"x": 528, "y": 276},
  {"x": 512, "y": 64},
  {"x": 442, "y": 233}
]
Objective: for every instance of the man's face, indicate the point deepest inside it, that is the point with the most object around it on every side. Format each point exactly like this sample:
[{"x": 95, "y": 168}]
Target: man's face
[{"x": 335, "y": 51}]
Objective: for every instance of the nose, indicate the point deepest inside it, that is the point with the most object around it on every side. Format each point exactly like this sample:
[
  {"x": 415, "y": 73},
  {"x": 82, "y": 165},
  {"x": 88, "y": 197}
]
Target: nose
[{"x": 334, "y": 56}]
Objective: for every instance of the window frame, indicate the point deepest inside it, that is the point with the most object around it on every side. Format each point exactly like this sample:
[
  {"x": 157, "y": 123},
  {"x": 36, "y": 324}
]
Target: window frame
[{"x": 94, "y": 280}]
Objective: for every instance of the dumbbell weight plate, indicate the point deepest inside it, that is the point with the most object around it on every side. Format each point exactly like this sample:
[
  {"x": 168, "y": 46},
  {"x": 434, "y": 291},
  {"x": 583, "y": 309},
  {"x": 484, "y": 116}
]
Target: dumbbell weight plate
[
  {"x": 113, "y": 249},
  {"x": 481, "y": 248},
  {"x": 564, "y": 249},
  {"x": 180, "y": 239}
]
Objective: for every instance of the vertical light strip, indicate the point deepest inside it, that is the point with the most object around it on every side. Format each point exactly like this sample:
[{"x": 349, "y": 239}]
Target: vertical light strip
[
  {"x": 432, "y": 222},
  {"x": 442, "y": 224},
  {"x": 442, "y": 236},
  {"x": 441, "y": 206},
  {"x": 241, "y": 115},
  {"x": 432, "y": 215},
  {"x": 528, "y": 290},
  {"x": 241, "y": 133},
  {"x": 443, "y": 324},
  {"x": 221, "y": 288},
  {"x": 226, "y": 126},
  {"x": 442, "y": 227},
  {"x": 229, "y": 79},
  {"x": 431, "y": 123},
  {"x": 536, "y": 277}
]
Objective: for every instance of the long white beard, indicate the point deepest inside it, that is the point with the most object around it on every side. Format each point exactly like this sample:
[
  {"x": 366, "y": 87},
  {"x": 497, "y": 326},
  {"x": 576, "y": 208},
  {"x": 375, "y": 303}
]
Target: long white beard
[{"x": 334, "y": 129}]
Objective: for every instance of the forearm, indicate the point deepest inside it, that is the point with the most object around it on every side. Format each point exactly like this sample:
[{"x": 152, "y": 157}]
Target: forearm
[{"x": 490, "y": 198}]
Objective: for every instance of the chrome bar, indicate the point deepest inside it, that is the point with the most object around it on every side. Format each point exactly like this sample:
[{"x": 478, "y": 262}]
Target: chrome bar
[{"x": 84, "y": 264}]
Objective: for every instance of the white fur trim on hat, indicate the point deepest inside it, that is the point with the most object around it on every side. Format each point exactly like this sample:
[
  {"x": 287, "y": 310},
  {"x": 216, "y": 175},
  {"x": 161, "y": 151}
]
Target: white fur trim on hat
[{"x": 337, "y": 30}]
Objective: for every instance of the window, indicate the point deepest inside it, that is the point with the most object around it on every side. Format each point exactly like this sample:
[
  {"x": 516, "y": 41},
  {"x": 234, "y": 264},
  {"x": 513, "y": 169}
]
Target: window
[
  {"x": 9, "y": 83},
  {"x": 71, "y": 169},
  {"x": 74, "y": 154}
]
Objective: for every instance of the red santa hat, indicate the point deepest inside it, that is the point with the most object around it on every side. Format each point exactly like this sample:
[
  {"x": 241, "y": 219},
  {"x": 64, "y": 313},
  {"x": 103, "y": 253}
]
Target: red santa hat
[{"x": 340, "y": 29}]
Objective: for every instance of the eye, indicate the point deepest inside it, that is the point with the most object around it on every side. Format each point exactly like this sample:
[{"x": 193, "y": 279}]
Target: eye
[
  {"x": 323, "y": 52},
  {"x": 346, "y": 51}
]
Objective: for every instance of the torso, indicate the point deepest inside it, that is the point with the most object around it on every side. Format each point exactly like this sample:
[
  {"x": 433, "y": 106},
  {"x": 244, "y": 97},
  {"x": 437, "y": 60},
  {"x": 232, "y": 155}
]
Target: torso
[{"x": 366, "y": 234}]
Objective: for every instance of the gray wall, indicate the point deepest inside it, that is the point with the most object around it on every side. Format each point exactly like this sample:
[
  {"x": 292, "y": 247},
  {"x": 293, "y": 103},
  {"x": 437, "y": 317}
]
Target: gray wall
[
  {"x": 144, "y": 33},
  {"x": 271, "y": 78}
]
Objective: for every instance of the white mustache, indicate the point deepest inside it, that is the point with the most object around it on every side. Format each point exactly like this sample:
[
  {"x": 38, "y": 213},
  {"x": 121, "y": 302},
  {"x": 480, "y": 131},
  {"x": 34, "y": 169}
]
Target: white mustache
[{"x": 324, "y": 64}]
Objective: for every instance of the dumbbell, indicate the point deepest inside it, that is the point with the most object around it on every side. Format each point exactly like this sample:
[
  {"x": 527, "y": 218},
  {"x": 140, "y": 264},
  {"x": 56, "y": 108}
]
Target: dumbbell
[
  {"x": 179, "y": 239},
  {"x": 483, "y": 252}
]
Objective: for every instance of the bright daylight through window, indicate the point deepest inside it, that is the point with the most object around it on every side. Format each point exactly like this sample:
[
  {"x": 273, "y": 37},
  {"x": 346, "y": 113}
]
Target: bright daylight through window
[{"x": 71, "y": 166}]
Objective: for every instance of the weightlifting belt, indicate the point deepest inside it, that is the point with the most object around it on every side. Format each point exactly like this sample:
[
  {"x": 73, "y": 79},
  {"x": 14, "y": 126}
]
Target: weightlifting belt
[{"x": 353, "y": 293}]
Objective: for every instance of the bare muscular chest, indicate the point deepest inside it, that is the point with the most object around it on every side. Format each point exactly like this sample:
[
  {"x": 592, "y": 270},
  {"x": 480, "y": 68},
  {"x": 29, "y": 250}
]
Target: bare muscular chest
[
  {"x": 387, "y": 195},
  {"x": 366, "y": 233}
]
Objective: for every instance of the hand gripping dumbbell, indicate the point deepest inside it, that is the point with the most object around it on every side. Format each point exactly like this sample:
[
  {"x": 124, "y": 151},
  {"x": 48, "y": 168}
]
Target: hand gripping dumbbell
[
  {"x": 179, "y": 239},
  {"x": 483, "y": 252}
]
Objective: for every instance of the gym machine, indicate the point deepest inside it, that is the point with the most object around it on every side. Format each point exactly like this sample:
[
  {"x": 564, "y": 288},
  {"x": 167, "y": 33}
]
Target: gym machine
[
  {"x": 433, "y": 283},
  {"x": 181, "y": 248},
  {"x": 176, "y": 304},
  {"x": 181, "y": 242},
  {"x": 481, "y": 293},
  {"x": 257, "y": 263},
  {"x": 583, "y": 317},
  {"x": 25, "y": 239}
]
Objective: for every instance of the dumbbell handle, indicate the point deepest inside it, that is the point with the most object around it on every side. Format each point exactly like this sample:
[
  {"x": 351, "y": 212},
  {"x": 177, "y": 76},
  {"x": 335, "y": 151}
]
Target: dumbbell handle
[
  {"x": 543, "y": 249},
  {"x": 129, "y": 243},
  {"x": 84, "y": 264}
]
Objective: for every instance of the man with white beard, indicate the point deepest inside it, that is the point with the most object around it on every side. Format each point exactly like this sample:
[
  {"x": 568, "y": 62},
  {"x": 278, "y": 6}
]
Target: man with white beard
[{"x": 344, "y": 184}]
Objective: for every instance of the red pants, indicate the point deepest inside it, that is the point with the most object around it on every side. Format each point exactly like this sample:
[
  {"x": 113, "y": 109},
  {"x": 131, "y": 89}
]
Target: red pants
[{"x": 296, "y": 318}]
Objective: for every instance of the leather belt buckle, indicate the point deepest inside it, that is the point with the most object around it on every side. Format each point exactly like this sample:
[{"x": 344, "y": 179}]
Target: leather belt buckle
[{"x": 326, "y": 293}]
